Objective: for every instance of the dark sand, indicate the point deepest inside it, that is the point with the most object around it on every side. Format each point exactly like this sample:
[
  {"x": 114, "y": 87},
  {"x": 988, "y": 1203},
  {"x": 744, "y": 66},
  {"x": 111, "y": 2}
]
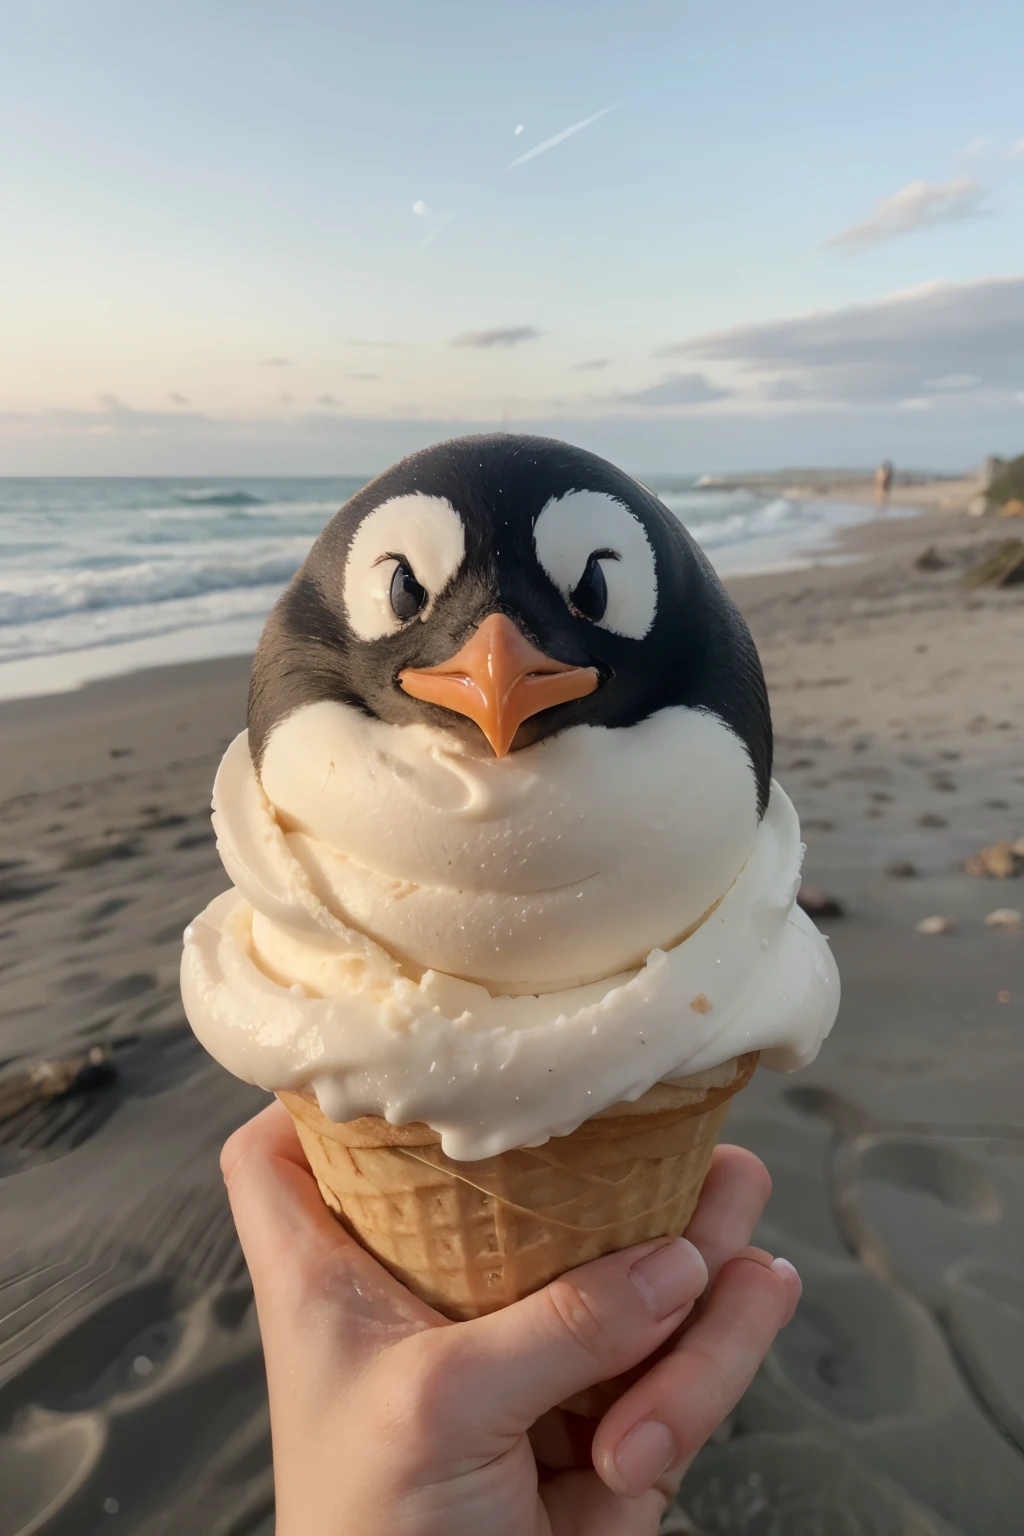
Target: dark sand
[{"x": 131, "y": 1392}]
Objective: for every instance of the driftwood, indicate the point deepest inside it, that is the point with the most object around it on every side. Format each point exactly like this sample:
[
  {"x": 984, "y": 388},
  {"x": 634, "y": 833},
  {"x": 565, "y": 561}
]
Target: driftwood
[
  {"x": 1004, "y": 568},
  {"x": 46, "y": 1080}
]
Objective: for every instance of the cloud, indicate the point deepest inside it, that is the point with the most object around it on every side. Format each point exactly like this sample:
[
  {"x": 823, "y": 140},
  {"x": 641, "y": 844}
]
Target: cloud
[
  {"x": 559, "y": 138},
  {"x": 955, "y": 433},
  {"x": 918, "y": 205},
  {"x": 502, "y": 336},
  {"x": 326, "y": 400},
  {"x": 176, "y": 399},
  {"x": 286, "y": 399},
  {"x": 517, "y": 130},
  {"x": 111, "y": 416},
  {"x": 362, "y": 376},
  {"x": 677, "y": 389},
  {"x": 989, "y": 155},
  {"x": 592, "y": 364},
  {"x": 275, "y": 362},
  {"x": 781, "y": 390},
  {"x": 888, "y": 350},
  {"x": 957, "y": 382},
  {"x": 380, "y": 346}
]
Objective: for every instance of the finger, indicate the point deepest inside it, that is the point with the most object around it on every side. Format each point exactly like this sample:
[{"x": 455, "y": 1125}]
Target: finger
[
  {"x": 578, "y": 1502},
  {"x": 275, "y": 1128},
  {"x": 297, "y": 1253},
  {"x": 730, "y": 1206},
  {"x": 274, "y": 1199},
  {"x": 666, "y": 1417},
  {"x": 731, "y": 1203},
  {"x": 586, "y": 1326}
]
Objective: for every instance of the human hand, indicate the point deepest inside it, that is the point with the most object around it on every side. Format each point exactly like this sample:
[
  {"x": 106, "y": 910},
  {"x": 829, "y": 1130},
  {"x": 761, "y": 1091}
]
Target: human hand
[{"x": 388, "y": 1419}]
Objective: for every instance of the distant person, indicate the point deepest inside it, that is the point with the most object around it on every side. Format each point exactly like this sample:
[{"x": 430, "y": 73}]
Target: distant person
[{"x": 883, "y": 481}]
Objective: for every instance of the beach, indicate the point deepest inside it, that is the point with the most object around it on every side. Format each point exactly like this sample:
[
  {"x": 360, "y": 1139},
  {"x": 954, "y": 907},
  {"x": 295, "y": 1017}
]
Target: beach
[{"x": 131, "y": 1381}]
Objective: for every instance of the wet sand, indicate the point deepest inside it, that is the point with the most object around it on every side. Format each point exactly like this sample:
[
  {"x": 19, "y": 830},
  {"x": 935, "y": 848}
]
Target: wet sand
[{"x": 131, "y": 1394}]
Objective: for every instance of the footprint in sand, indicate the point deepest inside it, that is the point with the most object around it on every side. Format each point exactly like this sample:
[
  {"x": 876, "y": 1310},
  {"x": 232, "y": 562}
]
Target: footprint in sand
[
  {"x": 152, "y": 1365},
  {"x": 941, "y": 1213},
  {"x": 797, "y": 1485},
  {"x": 902, "y": 1373}
]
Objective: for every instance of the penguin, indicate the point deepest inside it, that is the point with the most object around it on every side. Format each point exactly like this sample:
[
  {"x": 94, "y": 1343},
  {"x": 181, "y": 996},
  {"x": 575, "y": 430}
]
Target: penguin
[{"x": 507, "y": 589}]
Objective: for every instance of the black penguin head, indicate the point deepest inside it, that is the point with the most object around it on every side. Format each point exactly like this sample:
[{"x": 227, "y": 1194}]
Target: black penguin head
[{"x": 521, "y": 566}]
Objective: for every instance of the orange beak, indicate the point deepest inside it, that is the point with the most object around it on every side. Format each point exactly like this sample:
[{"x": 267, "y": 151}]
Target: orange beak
[{"x": 499, "y": 679}]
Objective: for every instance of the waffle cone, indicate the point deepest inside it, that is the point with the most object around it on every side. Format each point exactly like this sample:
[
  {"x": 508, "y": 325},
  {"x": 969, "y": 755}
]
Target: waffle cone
[{"x": 470, "y": 1238}]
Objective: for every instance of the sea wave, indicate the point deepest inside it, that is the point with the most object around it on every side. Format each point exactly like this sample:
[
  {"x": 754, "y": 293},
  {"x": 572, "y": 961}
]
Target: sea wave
[
  {"x": 211, "y": 498},
  {"x": 26, "y": 596},
  {"x": 88, "y": 630},
  {"x": 91, "y": 564}
]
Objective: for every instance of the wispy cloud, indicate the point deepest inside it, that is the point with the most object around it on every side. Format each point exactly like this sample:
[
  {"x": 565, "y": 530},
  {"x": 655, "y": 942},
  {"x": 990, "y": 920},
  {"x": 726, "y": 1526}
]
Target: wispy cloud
[
  {"x": 560, "y": 138},
  {"x": 988, "y": 155},
  {"x": 112, "y": 416},
  {"x": 592, "y": 364},
  {"x": 782, "y": 391},
  {"x": 502, "y": 336},
  {"x": 677, "y": 389},
  {"x": 918, "y": 205},
  {"x": 114, "y": 438},
  {"x": 951, "y": 338},
  {"x": 362, "y": 376},
  {"x": 379, "y": 346},
  {"x": 275, "y": 362},
  {"x": 177, "y": 399},
  {"x": 326, "y": 400},
  {"x": 956, "y": 382}
]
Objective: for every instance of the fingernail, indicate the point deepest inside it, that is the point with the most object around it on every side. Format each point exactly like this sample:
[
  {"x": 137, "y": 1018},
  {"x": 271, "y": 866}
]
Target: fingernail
[
  {"x": 785, "y": 1271},
  {"x": 643, "y": 1455},
  {"x": 669, "y": 1277}
]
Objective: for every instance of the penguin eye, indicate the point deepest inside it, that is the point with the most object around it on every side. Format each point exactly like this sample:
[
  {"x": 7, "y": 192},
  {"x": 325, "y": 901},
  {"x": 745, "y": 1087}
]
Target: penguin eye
[
  {"x": 404, "y": 553},
  {"x": 600, "y": 535},
  {"x": 589, "y": 598},
  {"x": 407, "y": 596}
]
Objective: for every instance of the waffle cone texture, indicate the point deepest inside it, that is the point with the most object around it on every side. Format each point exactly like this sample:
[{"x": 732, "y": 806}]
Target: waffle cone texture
[{"x": 469, "y": 1238}]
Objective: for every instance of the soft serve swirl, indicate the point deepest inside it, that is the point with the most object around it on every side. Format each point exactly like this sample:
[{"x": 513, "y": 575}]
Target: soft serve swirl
[{"x": 491, "y": 946}]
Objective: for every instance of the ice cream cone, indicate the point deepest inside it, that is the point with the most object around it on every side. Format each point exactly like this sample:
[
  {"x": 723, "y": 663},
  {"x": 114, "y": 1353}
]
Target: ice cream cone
[{"x": 470, "y": 1238}]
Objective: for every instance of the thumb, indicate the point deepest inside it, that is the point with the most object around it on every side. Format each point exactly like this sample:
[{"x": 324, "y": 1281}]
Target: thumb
[
  {"x": 589, "y": 1325},
  {"x": 283, "y": 1225},
  {"x": 297, "y": 1252}
]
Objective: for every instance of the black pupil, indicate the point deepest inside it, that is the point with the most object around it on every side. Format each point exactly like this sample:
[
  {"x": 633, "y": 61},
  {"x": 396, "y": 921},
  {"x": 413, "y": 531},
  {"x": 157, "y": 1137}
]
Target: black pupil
[
  {"x": 407, "y": 596},
  {"x": 591, "y": 595}
]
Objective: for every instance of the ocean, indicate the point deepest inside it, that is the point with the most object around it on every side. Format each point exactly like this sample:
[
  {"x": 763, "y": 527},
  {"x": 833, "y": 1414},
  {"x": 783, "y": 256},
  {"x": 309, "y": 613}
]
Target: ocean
[{"x": 100, "y": 577}]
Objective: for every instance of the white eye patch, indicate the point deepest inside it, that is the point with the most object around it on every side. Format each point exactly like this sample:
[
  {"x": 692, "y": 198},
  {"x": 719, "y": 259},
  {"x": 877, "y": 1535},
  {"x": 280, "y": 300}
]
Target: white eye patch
[
  {"x": 424, "y": 531},
  {"x": 576, "y": 526}
]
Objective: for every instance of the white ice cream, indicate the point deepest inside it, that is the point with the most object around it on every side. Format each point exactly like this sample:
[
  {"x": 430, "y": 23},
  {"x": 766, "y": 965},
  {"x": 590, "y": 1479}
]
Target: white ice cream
[{"x": 492, "y": 946}]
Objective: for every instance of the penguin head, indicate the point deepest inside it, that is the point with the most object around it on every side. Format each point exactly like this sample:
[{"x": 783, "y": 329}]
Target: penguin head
[{"x": 506, "y": 588}]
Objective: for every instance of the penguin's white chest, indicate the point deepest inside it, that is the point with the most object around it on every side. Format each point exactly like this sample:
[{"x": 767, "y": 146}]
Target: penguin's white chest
[{"x": 563, "y": 863}]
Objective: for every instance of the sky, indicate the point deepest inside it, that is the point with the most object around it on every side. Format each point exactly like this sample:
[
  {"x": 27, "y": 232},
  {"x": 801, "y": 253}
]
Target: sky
[{"x": 693, "y": 235}]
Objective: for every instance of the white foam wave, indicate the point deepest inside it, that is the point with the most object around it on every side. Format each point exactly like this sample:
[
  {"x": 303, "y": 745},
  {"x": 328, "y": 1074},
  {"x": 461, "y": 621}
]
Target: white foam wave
[
  {"x": 86, "y": 630},
  {"x": 149, "y": 568},
  {"x": 29, "y": 595}
]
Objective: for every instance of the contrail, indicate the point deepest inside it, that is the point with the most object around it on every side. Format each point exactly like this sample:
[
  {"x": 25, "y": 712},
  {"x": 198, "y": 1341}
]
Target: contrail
[{"x": 566, "y": 133}]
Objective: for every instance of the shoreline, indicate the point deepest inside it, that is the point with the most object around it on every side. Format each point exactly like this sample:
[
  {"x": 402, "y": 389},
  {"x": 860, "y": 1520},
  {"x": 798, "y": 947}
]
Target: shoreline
[
  {"x": 787, "y": 552},
  {"x": 850, "y": 543}
]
